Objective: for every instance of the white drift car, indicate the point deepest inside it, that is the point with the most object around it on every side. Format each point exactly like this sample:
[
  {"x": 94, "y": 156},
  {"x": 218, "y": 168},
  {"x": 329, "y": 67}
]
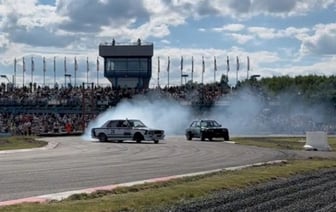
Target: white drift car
[{"x": 126, "y": 129}]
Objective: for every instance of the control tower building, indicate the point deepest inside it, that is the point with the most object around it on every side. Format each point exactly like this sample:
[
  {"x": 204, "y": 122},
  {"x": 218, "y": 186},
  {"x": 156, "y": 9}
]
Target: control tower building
[{"x": 127, "y": 65}]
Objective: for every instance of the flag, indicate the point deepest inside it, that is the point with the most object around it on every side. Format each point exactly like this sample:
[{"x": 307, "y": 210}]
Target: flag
[
  {"x": 44, "y": 65},
  {"x": 168, "y": 65},
  {"x": 181, "y": 63},
  {"x": 248, "y": 63},
  {"x": 203, "y": 65},
  {"x": 76, "y": 66},
  {"x": 227, "y": 63},
  {"x": 192, "y": 64},
  {"x": 32, "y": 64},
  {"x": 97, "y": 64},
  {"x": 23, "y": 65},
  {"x": 65, "y": 68},
  {"x": 237, "y": 63},
  {"x": 215, "y": 64},
  {"x": 158, "y": 64}
]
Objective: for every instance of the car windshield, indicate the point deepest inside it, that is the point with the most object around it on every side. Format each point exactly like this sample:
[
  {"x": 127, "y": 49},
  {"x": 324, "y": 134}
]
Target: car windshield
[
  {"x": 210, "y": 123},
  {"x": 136, "y": 123}
]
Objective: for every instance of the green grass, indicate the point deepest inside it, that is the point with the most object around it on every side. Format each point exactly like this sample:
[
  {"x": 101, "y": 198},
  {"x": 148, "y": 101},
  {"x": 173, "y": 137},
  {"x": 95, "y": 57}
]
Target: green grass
[
  {"x": 294, "y": 143},
  {"x": 20, "y": 142},
  {"x": 142, "y": 197}
]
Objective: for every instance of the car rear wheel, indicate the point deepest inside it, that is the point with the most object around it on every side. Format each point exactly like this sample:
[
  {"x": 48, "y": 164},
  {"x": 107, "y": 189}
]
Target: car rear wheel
[
  {"x": 189, "y": 136},
  {"x": 102, "y": 137},
  {"x": 156, "y": 141}
]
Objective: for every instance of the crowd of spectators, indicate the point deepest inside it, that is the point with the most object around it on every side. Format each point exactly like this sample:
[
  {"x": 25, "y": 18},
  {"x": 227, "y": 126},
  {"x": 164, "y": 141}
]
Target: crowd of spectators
[{"x": 33, "y": 110}]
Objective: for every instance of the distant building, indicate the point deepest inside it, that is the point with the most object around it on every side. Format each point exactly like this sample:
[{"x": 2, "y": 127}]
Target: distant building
[{"x": 127, "y": 65}]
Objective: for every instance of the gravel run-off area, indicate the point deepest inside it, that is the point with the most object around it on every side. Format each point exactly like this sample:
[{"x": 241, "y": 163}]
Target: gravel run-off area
[{"x": 315, "y": 191}]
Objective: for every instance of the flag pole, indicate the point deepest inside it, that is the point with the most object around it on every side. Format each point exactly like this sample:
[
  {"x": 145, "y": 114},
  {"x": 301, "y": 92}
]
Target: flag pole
[
  {"x": 54, "y": 71},
  {"x": 97, "y": 71},
  {"x": 14, "y": 81},
  {"x": 44, "y": 70},
  {"x": 75, "y": 71},
  {"x": 87, "y": 70},
  {"x": 237, "y": 70},
  {"x": 158, "y": 76},
  {"x": 32, "y": 72},
  {"x": 227, "y": 67},
  {"x": 23, "y": 71},
  {"x": 65, "y": 72},
  {"x": 203, "y": 69},
  {"x": 168, "y": 67},
  {"x": 192, "y": 69},
  {"x": 248, "y": 67},
  {"x": 215, "y": 68},
  {"x": 181, "y": 70}
]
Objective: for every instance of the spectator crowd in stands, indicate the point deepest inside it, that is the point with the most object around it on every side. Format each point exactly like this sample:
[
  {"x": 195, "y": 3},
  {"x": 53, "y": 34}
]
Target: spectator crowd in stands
[{"x": 34, "y": 110}]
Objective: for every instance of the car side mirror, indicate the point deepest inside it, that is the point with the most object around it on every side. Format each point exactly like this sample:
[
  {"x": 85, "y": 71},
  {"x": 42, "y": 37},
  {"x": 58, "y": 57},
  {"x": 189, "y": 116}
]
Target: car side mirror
[{"x": 220, "y": 125}]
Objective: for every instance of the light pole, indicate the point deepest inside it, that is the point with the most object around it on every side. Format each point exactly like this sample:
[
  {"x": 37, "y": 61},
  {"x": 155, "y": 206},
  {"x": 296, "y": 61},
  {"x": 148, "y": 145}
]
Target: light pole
[
  {"x": 9, "y": 82},
  {"x": 5, "y": 76},
  {"x": 69, "y": 76}
]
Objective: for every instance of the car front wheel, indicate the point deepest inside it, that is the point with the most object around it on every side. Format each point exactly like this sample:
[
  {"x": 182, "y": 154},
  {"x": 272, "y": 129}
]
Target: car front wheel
[
  {"x": 189, "y": 136},
  {"x": 138, "y": 137},
  {"x": 226, "y": 137}
]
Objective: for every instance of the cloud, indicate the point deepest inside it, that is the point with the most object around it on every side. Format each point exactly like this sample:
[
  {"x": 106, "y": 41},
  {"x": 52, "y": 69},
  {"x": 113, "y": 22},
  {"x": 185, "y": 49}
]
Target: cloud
[
  {"x": 90, "y": 16},
  {"x": 283, "y": 8},
  {"x": 242, "y": 6},
  {"x": 322, "y": 42},
  {"x": 240, "y": 38},
  {"x": 275, "y": 6},
  {"x": 230, "y": 27}
]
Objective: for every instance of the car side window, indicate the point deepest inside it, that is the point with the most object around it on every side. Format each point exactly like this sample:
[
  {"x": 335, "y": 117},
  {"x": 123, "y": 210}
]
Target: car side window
[
  {"x": 204, "y": 124},
  {"x": 112, "y": 124},
  {"x": 193, "y": 124},
  {"x": 109, "y": 124}
]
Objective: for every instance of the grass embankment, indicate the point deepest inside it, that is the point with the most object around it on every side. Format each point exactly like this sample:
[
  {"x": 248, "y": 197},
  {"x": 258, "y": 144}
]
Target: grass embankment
[
  {"x": 294, "y": 143},
  {"x": 20, "y": 142},
  {"x": 142, "y": 197}
]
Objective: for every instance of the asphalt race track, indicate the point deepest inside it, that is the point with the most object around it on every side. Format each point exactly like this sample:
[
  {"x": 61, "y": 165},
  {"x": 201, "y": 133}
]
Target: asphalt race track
[{"x": 75, "y": 164}]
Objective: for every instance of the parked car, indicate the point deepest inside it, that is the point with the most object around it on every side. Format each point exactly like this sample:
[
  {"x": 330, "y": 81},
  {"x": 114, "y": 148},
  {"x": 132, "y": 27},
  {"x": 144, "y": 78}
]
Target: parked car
[
  {"x": 126, "y": 129},
  {"x": 206, "y": 129}
]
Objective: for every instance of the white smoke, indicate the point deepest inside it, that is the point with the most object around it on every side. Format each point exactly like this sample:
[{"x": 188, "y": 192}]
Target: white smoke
[
  {"x": 240, "y": 115},
  {"x": 153, "y": 110},
  {"x": 245, "y": 112}
]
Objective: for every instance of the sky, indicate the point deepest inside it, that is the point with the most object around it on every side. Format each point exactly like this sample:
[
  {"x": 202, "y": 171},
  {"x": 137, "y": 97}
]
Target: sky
[{"x": 287, "y": 37}]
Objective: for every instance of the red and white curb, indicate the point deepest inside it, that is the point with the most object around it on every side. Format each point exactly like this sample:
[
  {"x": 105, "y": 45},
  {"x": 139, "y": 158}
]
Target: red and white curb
[{"x": 64, "y": 195}]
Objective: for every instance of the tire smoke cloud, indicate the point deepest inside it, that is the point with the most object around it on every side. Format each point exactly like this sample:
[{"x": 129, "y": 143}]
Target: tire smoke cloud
[
  {"x": 244, "y": 112},
  {"x": 152, "y": 109}
]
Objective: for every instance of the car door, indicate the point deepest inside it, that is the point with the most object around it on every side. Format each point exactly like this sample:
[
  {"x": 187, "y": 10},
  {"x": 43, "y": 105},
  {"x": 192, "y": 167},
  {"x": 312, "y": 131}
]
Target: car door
[
  {"x": 120, "y": 131},
  {"x": 112, "y": 129},
  {"x": 196, "y": 129},
  {"x": 126, "y": 130}
]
